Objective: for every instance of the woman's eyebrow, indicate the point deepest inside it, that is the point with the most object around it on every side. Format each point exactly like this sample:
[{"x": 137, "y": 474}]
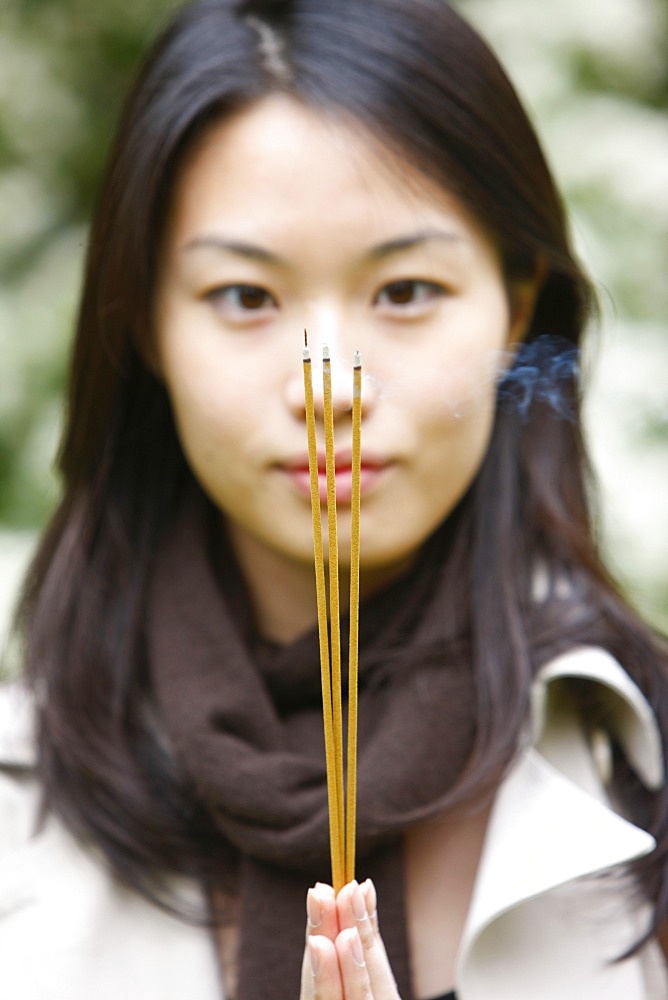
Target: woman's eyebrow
[
  {"x": 253, "y": 251},
  {"x": 415, "y": 239},
  {"x": 239, "y": 247}
]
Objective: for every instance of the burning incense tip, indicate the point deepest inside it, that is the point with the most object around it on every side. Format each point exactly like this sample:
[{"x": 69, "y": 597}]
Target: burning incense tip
[
  {"x": 325, "y": 352},
  {"x": 357, "y": 360}
]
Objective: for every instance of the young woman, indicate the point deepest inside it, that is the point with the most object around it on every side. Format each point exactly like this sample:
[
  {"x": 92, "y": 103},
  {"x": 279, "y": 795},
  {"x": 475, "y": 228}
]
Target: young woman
[{"x": 361, "y": 169}]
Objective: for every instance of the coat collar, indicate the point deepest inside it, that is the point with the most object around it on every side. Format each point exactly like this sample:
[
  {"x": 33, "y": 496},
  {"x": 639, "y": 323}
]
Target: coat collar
[
  {"x": 551, "y": 823},
  {"x": 628, "y": 716}
]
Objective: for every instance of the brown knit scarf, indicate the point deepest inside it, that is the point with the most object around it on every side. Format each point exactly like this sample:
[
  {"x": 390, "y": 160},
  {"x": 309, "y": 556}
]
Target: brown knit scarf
[{"x": 244, "y": 722}]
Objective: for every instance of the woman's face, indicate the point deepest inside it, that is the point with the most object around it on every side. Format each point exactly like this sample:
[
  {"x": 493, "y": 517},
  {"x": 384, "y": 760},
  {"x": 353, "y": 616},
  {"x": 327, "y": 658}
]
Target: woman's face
[{"x": 285, "y": 220}]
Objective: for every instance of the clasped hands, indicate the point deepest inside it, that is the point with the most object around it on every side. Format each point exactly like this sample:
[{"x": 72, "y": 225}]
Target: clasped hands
[{"x": 345, "y": 958}]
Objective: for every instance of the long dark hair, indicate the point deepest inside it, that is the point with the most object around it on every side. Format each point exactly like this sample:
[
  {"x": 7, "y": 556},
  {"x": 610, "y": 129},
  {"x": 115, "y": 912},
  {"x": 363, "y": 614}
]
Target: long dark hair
[{"x": 419, "y": 79}]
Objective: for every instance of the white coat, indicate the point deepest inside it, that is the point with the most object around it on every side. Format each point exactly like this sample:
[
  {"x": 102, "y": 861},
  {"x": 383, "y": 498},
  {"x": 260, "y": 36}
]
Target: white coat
[{"x": 540, "y": 927}]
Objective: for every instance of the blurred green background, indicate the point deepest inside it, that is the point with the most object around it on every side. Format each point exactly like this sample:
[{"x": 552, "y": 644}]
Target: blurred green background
[{"x": 595, "y": 77}]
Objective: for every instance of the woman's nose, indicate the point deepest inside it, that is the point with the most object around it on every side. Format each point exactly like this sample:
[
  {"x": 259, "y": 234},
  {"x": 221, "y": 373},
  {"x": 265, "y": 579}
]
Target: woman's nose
[{"x": 341, "y": 373}]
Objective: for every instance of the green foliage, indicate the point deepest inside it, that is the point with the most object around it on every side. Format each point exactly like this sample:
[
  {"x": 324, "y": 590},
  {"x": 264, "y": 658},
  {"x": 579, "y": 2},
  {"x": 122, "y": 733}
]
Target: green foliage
[{"x": 64, "y": 68}]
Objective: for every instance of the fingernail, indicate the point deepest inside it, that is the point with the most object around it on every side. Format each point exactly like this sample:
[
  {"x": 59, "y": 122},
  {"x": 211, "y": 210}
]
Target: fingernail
[
  {"x": 356, "y": 950},
  {"x": 313, "y": 909},
  {"x": 314, "y": 956},
  {"x": 357, "y": 902},
  {"x": 370, "y": 897}
]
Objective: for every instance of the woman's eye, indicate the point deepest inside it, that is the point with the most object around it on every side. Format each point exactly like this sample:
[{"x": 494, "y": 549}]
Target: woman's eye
[
  {"x": 242, "y": 298},
  {"x": 408, "y": 292}
]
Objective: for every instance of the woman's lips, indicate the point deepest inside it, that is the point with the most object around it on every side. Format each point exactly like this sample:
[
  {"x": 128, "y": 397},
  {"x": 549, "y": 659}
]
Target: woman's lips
[{"x": 371, "y": 471}]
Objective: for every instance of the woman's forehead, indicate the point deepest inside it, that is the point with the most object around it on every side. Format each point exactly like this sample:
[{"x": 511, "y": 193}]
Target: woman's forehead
[{"x": 281, "y": 163}]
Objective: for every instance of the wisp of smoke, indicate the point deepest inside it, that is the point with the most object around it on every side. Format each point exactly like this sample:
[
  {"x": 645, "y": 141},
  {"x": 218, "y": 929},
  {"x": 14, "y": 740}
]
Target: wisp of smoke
[{"x": 543, "y": 371}]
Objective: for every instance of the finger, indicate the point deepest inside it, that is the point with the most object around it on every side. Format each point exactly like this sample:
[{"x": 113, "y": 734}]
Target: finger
[
  {"x": 321, "y": 975},
  {"x": 353, "y": 909},
  {"x": 369, "y": 893},
  {"x": 321, "y": 911},
  {"x": 354, "y": 971},
  {"x": 344, "y": 910}
]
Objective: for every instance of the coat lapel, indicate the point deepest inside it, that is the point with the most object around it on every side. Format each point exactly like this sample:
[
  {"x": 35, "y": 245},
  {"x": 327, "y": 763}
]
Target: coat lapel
[{"x": 539, "y": 924}]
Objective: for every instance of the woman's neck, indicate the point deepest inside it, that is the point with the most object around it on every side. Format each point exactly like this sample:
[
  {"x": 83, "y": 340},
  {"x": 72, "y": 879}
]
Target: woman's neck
[
  {"x": 282, "y": 596},
  {"x": 282, "y": 592}
]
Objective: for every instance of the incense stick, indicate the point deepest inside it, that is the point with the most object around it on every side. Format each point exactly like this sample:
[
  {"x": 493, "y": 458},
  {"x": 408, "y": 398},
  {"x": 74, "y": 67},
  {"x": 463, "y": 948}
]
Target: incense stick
[
  {"x": 342, "y": 814},
  {"x": 335, "y": 842},
  {"x": 333, "y": 577},
  {"x": 353, "y": 646}
]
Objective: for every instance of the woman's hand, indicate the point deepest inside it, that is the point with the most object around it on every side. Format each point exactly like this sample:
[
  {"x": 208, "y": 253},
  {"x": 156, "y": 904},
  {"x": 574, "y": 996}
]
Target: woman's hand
[{"x": 345, "y": 958}]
